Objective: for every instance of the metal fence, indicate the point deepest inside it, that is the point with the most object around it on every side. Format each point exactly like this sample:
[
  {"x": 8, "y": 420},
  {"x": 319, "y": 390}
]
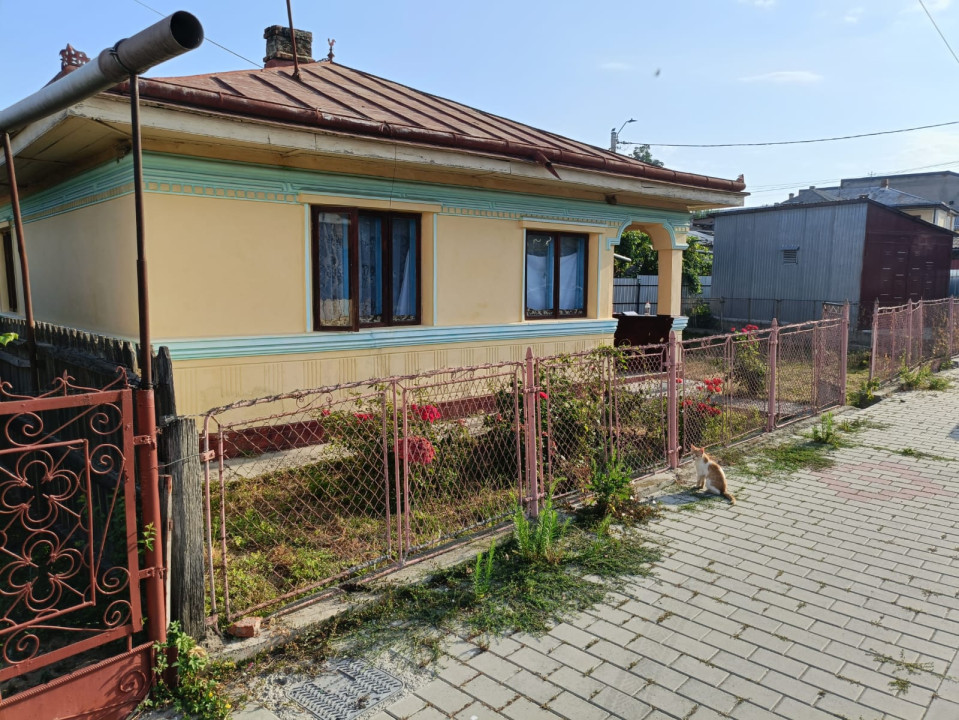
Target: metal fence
[
  {"x": 311, "y": 488},
  {"x": 911, "y": 334}
]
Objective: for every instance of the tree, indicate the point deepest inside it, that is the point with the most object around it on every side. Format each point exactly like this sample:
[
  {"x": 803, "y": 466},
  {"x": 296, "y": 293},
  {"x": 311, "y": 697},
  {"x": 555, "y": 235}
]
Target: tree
[
  {"x": 635, "y": 244},
  {"x": 642, "y": 153}
]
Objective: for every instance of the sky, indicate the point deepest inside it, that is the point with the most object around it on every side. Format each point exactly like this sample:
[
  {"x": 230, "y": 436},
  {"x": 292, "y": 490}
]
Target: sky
[{"x": 687, "y": 71}]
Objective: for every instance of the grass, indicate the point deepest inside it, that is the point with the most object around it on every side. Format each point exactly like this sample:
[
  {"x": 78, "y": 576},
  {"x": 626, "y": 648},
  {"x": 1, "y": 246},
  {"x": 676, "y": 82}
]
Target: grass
[{"x": 517, "y": 594}]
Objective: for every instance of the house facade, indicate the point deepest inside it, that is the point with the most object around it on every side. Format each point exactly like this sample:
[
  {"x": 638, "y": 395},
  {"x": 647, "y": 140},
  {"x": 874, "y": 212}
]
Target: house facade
[{"x": 330, "y": 229}]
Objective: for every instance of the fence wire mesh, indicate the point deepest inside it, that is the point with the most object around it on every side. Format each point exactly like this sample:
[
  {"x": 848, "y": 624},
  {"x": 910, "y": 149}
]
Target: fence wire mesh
[
  {"x": 311, "y": 488},
  {"x": 905, "y": 336}
]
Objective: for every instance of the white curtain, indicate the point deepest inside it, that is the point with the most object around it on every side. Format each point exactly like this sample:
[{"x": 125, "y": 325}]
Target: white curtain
[
  {"x": 539, "y": 274},
  {"x": 571, "y": 262},
  {"x": 333, "y": 252}
]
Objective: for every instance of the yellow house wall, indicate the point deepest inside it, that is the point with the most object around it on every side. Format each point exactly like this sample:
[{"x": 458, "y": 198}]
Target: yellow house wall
[
  {"x": 83, "y": 268},
  {"x": 222, "y": 267},
  {"x": 204, "y": 384}
]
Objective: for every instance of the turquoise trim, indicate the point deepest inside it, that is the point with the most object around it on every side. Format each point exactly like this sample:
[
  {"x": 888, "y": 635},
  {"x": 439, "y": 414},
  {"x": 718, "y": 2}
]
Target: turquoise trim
[
  {"x": 308, "y": 265},
  {"x": 679, "y": 323},
  {"x": 378, "y": 338}
]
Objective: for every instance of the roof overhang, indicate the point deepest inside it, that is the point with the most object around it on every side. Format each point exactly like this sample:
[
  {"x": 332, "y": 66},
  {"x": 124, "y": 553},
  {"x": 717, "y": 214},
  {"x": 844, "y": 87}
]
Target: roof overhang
[{"x": 98, "y": 128}]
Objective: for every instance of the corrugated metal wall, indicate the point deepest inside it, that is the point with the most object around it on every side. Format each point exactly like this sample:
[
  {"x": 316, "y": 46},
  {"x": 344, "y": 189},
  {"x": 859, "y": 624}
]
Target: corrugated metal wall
[{"x": 749, "y": 266}]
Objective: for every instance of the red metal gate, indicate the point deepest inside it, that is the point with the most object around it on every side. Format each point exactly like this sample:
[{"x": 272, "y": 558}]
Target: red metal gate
[{"x": 71, "y": 605}]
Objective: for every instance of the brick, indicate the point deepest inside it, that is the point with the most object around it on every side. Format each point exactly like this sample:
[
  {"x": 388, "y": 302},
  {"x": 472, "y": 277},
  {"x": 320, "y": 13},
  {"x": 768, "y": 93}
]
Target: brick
[{"x": 246, "y": 627}]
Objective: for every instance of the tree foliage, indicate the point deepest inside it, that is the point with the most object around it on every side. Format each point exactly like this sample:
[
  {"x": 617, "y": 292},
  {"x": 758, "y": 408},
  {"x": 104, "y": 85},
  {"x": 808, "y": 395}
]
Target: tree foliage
[
  {"x": 635, "y": 244},
  {"x": 642, "y": 153}
]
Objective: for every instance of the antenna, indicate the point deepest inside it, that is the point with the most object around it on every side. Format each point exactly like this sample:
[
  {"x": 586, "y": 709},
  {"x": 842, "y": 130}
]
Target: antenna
[{"x": 296, "y": 59}]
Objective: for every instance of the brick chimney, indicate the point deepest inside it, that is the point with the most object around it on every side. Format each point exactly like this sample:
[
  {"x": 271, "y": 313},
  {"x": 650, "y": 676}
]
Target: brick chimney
[
  {"x": 885, "y": 182},
  {"x": 279, "y": 47}
]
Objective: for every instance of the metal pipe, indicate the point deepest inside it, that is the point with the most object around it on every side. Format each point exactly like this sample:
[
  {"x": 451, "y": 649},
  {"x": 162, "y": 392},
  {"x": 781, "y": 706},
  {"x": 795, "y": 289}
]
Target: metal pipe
[
  {"x": 296, "y": 60},
  {"x": 172, "y": 36},
  {"x": 24, "y": 268},
  {"x": 143, "y": 295}
]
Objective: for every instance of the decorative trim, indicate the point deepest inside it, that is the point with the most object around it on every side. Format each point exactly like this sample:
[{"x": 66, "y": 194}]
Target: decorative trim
[
  {"x": 308, "y": 286},
  {"x": 435, "y": 272},
  {"x": 679, "y": 323},
  {"x": 374, "y": 339}
]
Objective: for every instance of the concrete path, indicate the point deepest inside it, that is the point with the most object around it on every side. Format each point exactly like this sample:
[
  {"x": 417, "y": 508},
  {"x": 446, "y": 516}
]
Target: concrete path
[{"x": 830, "y": 594}]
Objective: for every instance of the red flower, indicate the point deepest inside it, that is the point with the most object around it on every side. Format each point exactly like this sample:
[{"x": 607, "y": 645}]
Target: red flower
[
  {"x": 418, "y": 450},
  {"x": 543, "y": 396},
  {"x": 427, "y": 413},
  {"x": 363, "y": 417},
  {"x": 325, "y": 412},
  {"x": 687, "y": 402},
  {"x": 733, "y": 329},
  {"x": 679, "y": 380}
]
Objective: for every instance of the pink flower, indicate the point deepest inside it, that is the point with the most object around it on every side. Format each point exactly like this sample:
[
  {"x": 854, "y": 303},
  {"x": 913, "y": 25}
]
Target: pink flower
[
  {"x": 543, "y": 396},
  {"x": 325, "y": 412},
  {"x": 363, "y": 417},
  {"x": 732, "y": 329},
  {"x": 427, "y": 413}
]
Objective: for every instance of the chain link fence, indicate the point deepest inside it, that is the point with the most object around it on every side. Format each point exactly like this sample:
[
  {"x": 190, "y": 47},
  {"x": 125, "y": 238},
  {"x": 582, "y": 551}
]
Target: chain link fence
[
  {"x": 905, "y": 336},
  {"x": 310, "y": 489}
]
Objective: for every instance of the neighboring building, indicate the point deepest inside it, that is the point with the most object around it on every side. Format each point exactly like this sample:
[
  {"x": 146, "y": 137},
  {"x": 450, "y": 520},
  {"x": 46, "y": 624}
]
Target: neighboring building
[
  {"x": 332, "y": 229},
  {"x": 941, "y": 186},
  {"x": 932, "y": 211},
  {"x": 785, "y": 260}
]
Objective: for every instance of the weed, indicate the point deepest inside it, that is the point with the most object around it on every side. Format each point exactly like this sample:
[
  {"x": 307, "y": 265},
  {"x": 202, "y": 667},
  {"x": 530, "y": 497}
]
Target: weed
[
  {"x": 864, "y": 395},
  {"x": 664, "y": 617},
  {"x": 540, "y": 540},
  {"x": 858, "y": 424},
  {"x": 938, "y": 383},
  {"x": 790, "y": 457},
  {"x": 913, "y": 379},
  {"x": 900, "y": 686},
  {"x": 198, "y": 691},
  {"x": 826, "y": 433},
  {"x": 483, "y": 572},
  {"x": 912, "y": 668},
  {"x": 609, "y": 485},
  {"x": 147, "y": 537}
]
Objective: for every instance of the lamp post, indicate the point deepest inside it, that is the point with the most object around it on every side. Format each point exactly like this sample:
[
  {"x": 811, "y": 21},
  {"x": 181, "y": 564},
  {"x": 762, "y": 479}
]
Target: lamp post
[{"x": 614, "y": 135}]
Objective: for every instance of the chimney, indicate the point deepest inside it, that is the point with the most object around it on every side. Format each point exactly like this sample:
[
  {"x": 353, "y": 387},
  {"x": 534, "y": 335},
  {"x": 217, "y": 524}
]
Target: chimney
[
  {"x": 885, "y": 182},
  {"x": 279, "y": 47},
  {"x": 792, "y": 195}
]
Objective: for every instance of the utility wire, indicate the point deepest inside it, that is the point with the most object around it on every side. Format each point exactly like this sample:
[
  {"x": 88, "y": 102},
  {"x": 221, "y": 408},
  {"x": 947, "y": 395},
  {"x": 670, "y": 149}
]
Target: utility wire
[
  {"x": 796, "y": 142},
  {"x": 779, "y": 187},
  {"x": 208, "y": 39},
  {"x": 935, "y": 25}
]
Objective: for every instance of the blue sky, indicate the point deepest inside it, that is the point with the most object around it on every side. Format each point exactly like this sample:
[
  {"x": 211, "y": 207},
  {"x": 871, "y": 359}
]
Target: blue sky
[{"x": 728, "y": 70}]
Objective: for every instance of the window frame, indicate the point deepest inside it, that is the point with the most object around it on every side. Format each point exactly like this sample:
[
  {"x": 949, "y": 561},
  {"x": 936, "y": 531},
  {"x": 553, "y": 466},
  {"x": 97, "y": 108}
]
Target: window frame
[
  {"x": 387, "y": 217},
  {"x": 10, "y": 271},
  {"x": 556, "y": 237}
]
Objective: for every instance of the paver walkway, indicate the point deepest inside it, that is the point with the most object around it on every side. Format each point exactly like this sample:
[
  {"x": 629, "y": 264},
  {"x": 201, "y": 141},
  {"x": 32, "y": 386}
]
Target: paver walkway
[{"x": 830, "y": 594}]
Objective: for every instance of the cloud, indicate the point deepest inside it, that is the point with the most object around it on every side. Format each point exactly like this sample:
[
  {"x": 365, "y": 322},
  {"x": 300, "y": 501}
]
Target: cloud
[
  {"x": 926, "y": 147},
  {"x": 785, "y": 77},
  {"x": 853, "y": 15},
  {"x": 758, "y": 3},
  {"x": 615, "y": 66}
]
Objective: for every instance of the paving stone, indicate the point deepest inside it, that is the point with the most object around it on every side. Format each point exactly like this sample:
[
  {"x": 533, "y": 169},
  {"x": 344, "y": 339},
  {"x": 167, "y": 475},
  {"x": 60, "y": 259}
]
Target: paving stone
[
  {"x": 584, "y": 686},
  {"x": 491, "y": 692},
  {"x": 478, "y": 711},
  {"x": 494, "y": 666},
  {"x": 707, "y": 695},
  {"x": 407, "y": 707},
  {"x": 535, "y": 662},
  {"x": 941, "y": 709},
  {"x": 620, "y": 704},
  {"x": 575, "y": 708},
  {"x": 533, "y": 687},
  {"x": 444, "y": 696},
  {"x": 523, "y": 709}
]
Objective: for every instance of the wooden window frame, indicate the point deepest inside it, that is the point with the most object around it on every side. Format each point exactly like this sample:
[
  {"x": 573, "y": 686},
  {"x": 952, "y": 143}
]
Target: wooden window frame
[
  {"x": 556, "y": 236},
  {"x": 353, "y": 239},
  {"x": 6, "y": 238}
]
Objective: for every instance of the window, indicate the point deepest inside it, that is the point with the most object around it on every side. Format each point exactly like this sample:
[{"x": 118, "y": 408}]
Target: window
[
  {"x": 9, "y": 271},
  {"x": 365, "y": 269},
  {"x": 790, "y": 254},
  {"x": 555, "y": 275}
]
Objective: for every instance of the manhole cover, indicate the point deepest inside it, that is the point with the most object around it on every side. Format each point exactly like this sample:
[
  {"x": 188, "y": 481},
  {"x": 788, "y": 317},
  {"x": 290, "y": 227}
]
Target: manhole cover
[{"x": 349, "y": 689}]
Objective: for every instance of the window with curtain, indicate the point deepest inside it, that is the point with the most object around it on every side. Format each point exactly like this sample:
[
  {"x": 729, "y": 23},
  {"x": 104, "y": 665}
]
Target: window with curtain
[
  {"x": 555, "y": 275},
  {"x": 365, "y": 269}
]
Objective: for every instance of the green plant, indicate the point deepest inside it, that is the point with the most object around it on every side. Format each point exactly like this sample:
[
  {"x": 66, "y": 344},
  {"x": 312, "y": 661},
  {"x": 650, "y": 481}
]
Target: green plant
[
  {"x": 483, "y": 572},
  {"x": 147, "y": 537},
  {"x": 7, "y": 338},
  {"x": 913, "y": 379},
  {"x": 826, "y": 432},
  {"x": 197, "y": 693},
  {"x": 540, "y": 541},
  {"x": 864, "y": 395},
  {"x": 938, "y": 383},
  {"x": 610, "y": 484},
  {"x": 749, "y": 366}
]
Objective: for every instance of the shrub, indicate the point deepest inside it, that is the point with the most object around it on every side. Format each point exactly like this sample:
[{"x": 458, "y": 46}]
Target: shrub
[
  {"x": 197, "y": 693},
  {"x": 540, "y": 540},
  {"x": 826, "y": 432},
  {"x": 483, "y": 572},
  {"x": 865, "y": 394},
  {"x": 610, "y": 485},
  {"x": 749, "y": 367}
]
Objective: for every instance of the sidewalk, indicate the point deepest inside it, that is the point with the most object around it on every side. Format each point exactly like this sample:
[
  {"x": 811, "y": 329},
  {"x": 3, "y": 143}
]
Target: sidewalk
[{"x": 830, "y": 594}]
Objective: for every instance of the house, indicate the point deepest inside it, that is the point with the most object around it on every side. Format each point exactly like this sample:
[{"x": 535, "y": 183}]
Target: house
[
  {"x": 933, "y": 211},
  {"x": 941, "y": 186},
  {"x": 785, "y": 260},
  {"x": 335, "y": 228}
]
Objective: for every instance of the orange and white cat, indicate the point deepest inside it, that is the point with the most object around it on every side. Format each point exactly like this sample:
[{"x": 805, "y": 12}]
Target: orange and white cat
[{"x": 710, "y": 475}]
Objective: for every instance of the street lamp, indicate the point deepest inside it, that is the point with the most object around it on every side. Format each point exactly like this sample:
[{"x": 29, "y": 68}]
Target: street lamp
[{"x": 614, "y": 135}]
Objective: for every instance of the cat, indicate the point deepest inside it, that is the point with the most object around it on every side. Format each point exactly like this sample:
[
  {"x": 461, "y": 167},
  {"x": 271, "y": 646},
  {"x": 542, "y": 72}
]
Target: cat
[{"x": 709, "y": 475}]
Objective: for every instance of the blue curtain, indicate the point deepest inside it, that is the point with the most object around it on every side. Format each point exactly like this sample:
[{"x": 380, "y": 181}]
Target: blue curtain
[
  {"x": 572, "y": 272},
  {"x": 371, "y": 269},
  {"x": 404, "y": 269},
  {"x": 539, "y": 274},
  {"x": 334, "y": 259}
]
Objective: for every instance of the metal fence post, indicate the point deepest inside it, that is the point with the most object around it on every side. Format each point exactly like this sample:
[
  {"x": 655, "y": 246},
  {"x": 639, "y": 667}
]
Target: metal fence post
[
  {"x": 875, "y": 340},
  {"x": 773, "y": 361},
  {"x": 909, "y": 335},
  {"x": 922, "y": 330},
  {"x": 530, "y": 416},
  {"x": 951, "y": 331},
  {"x": 843, "y": 352},
  {"x": 672, "y": 399}
]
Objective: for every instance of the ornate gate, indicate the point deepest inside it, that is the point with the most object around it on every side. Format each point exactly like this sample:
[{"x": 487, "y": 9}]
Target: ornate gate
[{"x": 71, "y": 605}]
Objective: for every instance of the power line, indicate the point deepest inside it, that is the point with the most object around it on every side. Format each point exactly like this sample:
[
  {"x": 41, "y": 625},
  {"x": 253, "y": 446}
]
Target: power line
[
  {"x": 795, "y": 142},
  {"x": 932, "y": 20},
  {"x": 208, "y": 39}
]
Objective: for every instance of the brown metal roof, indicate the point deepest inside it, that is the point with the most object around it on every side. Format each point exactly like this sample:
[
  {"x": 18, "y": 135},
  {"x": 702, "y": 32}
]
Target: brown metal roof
[{"x": 335, "y": 97}]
